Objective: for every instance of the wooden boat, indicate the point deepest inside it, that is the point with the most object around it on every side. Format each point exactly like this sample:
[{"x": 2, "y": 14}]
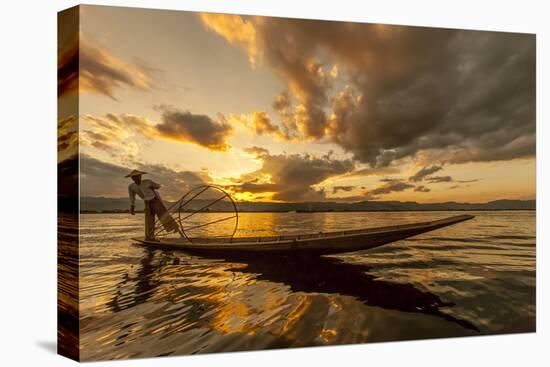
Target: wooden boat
[{"x": 323, "y": 243}]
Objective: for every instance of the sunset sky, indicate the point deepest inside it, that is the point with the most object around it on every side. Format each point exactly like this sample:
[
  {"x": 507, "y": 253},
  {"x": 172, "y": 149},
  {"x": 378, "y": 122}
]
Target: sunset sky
[{"x": 301, "y": 110}]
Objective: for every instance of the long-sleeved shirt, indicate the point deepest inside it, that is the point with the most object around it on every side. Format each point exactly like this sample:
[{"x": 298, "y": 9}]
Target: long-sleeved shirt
[{"x": 146, "y": 190}]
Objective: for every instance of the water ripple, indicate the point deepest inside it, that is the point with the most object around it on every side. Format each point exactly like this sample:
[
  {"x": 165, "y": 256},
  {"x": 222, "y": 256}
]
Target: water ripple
[{"x": 474, "y": 278}]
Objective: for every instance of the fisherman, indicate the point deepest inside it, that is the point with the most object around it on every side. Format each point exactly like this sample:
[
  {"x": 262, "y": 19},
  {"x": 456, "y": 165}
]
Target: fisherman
[{"x": 147, "y": 190}]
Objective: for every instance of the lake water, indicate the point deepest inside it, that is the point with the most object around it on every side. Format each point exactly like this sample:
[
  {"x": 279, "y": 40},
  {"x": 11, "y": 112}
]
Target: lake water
[{"x": 473, "y": 278}]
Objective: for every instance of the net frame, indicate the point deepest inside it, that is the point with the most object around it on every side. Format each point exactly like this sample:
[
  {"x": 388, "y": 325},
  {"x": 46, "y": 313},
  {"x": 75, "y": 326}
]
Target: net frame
[{"x": 177, "y": 210}]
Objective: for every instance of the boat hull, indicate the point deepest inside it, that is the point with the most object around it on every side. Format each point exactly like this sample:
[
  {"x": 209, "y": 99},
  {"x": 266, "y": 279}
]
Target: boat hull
[{"x": 318, "y": 244}]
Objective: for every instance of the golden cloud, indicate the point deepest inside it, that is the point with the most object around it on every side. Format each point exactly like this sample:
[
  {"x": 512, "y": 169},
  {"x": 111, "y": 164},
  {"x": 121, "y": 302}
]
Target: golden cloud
[
  {"x": 290, "y": 177},
  {"x": 67, "y": 137},
  {"x": 460, "y": 95},
  {"x": 259, "y": 123},
  {"x": 115, "y": 134},
  {"x": 236, "y": 30},
  {"x": 184, "y": 126},
  {"x": 86, "y": 66}
]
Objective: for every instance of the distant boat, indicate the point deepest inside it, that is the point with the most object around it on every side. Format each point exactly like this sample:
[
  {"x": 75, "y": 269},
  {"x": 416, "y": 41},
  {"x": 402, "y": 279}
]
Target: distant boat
[{"x": 322, "y": 243}]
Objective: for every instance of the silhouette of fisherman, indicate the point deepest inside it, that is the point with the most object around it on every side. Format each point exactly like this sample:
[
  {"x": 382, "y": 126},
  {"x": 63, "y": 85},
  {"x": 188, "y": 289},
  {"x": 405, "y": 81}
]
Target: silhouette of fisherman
[{"x": 147, "y": 190}]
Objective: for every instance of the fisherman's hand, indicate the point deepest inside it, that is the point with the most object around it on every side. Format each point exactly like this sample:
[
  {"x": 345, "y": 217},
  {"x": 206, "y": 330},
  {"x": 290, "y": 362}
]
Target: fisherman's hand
[{"x": 132, "y": 210}]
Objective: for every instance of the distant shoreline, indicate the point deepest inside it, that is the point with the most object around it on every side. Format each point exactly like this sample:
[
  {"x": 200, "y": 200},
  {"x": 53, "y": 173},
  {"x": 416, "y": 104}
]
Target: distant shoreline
[
  {"x": 325, "y": 211},
  {"x": 121, "y": 205}
]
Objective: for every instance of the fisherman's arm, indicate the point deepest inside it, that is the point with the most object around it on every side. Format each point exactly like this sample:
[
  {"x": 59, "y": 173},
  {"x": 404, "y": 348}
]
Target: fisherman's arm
[{"x": 155, "y": 185}]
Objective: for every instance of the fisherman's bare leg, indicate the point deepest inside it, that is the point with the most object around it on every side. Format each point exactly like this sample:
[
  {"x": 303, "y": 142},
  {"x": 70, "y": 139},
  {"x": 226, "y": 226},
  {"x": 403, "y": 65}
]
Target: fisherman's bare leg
[
  {"x": 166, "y": 219},
  {"x": 149, "y": 220}
]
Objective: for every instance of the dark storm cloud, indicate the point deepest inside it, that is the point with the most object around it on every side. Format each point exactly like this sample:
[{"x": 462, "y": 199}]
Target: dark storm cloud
[
  {"x": 99, "y": 178},
  {"x": 185, "y": 126},
  {"x": 460, "y": 95},
  {"x": 292, "y": 177},
  {"x": 92, "y": 68},
  {"x": 426, "y": 171}
]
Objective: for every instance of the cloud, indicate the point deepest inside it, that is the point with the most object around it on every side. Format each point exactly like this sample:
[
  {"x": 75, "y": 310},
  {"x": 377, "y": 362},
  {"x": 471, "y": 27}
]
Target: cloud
[
  {"x": 336, "y": 189},
  {"x": 306, "y": 77},
  {"x": 460, "y": 95},
  {"x": 426, "y": 171},
  {"x": 369, "y": 171},
  {"x": 463, "y": 182},
  {"x": 422, "y": 188},
  {"x": 235, "y": 30},
  {"x": 390, "y": 179},
  {"x": 286, "y": 111},
  {"x": 184, "y": 126},
  {"x": 99, "y": 178},
  {"x": 282, "y": 102},
  {"x": 387, "y": 188},
  {"x": 92, "y": 68},
  {"x": 175, "y": 183},
  {"x": 259, "y": 123},
  {"x": 116, "y": 134},
  {"x": 67, "y": 67},
  {"x": 257, "y": 152},
  {"x": 291, "y": 177},
  {"x": 437, "y": 179},
  {"x": 67, "y": 136}
]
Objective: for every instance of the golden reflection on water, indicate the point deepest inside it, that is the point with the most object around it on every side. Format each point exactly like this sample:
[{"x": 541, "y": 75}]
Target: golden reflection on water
[{"x": 474, "y": 278}]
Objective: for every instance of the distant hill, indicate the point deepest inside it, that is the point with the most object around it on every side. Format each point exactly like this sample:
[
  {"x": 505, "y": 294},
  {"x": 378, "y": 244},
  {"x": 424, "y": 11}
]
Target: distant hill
[{"x": 101, "y": 204}]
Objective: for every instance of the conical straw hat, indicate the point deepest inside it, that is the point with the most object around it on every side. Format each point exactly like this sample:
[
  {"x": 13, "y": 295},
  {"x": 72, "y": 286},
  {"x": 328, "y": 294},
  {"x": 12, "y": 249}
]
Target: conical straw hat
[{"x": 135, "y": 173}]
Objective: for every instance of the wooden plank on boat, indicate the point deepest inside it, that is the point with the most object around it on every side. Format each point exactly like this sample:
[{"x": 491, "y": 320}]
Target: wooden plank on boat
[{"x": 314, "y": 243}]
